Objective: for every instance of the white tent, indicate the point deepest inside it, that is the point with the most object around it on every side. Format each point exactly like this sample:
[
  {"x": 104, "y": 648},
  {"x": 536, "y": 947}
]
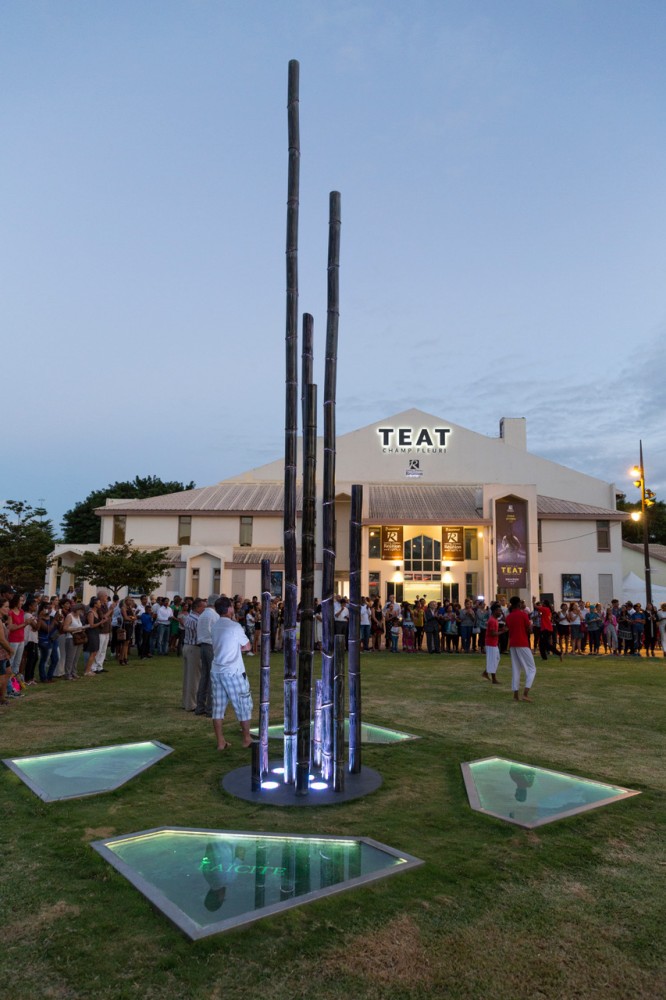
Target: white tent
[{"x": 633, "y": 589}]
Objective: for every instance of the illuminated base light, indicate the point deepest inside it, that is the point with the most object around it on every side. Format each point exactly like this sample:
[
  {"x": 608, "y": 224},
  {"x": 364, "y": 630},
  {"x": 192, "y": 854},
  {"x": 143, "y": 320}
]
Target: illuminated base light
[
  {"x": 533, "y": 796},
  {"x": 277, "y": 770},
  {"x": 216, "y": 880},
  {"x": 77, "y": 773},
  {"x": 270, "y": 784},
  {"x": 318, "y": 785}
]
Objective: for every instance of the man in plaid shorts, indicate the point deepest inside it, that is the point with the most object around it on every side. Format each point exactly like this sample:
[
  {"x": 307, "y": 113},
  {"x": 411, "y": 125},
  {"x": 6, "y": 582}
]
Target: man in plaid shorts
[{"x": 227, "y": 675}]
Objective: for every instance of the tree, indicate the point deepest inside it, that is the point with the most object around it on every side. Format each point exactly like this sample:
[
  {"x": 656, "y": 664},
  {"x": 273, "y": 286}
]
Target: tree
[
  {"x": 26, "y": 538},
  {"x": 632, "y": 531},
  {"x": 81, "y": 523},
  {"x": 117, "y": 566}
]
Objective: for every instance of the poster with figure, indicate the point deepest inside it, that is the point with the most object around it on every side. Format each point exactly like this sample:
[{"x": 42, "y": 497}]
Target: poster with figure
[
  {"x": 511, "y": 535},
  {"x": 571, "y": 587}
]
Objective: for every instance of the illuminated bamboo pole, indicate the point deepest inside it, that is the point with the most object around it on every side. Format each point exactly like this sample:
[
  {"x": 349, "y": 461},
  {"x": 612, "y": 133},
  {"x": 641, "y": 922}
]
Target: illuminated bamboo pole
[
  {"x": 265, "y": 672},
  {"x": 291, "y": 431},
  {"x": 316, "y": 741},
  {"x": 306, "y": 653},
  {"x": 339, "y": 714},
  {"x": 328, "y": 507},
  {"x": 355, "y": 630}
]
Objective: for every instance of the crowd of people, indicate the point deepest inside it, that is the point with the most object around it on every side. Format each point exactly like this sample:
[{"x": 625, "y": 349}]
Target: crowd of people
[
  {"x": 576, "y": 628},
  {"x": 44, "y": 639}
]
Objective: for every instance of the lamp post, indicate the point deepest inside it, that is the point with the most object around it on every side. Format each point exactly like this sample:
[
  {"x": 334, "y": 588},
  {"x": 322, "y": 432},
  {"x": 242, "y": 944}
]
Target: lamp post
[{"x": 647, "y": 501}]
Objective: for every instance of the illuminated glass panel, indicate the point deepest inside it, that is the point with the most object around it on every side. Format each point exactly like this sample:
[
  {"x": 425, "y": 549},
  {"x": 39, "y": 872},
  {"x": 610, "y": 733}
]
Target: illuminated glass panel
[
  {"x": 532, "y": 796},
  {"x": 75, "y": 773},
  {"x": 369, "y": 733},
  {"x": 208, "y": 881}
]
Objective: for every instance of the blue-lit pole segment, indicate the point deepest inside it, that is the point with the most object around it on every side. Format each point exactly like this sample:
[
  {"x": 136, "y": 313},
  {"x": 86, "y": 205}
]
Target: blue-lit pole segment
[
  {"x": 265, "y": 672},
  {"x": 328, "y": 506},
  {"x": 355, "y": 630},
  {"x": 306, "y": 652},
  {"x": 316, "y": 740},
  {"x": 291, "y": 430},
  {"x": 339, "y": 715}
]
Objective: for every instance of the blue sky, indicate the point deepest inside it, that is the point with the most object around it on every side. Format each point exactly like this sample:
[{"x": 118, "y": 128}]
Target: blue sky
[{"x": 503, "y": 253}]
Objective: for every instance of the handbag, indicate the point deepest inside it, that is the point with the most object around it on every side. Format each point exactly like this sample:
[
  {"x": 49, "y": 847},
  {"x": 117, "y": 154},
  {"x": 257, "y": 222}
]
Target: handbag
[
  {"x": 79, "y": 638},
  {"x": 121, "y": 635}
]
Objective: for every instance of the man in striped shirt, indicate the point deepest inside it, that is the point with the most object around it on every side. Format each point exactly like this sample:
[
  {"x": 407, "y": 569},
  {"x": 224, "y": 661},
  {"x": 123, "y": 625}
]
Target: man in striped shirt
[{"x": 191, "y": 656}]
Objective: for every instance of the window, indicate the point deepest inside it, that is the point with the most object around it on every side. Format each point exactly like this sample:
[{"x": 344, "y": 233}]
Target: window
[
  {"x": 245, "y": 531},
  {"x": 471, "y": 544},
  {"x": 119, "y": 528},
  {"x": 375, "y": 547},
  {"x": 539, "y": 542},
  {"x": 603, "y": 536},
  {"x": 373, "y": 585},
  {"x": 396, "y": 590},
  {"x": 217, "y": 580},
  {"x": 184, "y": 529},
  {"x": 422, "y": 554},
  {"x": 195, "y": 583},
  {"x": 472, "y": 585}
]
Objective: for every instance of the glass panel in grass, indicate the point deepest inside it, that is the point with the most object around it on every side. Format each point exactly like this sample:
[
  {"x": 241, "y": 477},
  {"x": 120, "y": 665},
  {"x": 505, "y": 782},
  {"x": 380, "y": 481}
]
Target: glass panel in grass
[
  {"x": 208, "y": 881},
  {"x": 369, "y": 733},
  {"x": 532, "y": 796},
  {"x": 76, "y": 773}
]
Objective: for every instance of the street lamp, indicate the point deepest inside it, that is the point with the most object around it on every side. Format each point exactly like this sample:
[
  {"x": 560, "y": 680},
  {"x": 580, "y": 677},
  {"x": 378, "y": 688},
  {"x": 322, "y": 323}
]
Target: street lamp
[{"x": 647, "y": 501}]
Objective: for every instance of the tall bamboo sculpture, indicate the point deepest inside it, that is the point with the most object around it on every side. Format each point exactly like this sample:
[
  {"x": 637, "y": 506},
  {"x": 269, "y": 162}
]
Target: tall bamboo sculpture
[
  {"x": 291, "y": 432},
  {"x": 354, "y": 658},
  {"x": 328, "y": 508},
  {"x": 265, "y": 674},
  {"x": 306, "y": 652}
]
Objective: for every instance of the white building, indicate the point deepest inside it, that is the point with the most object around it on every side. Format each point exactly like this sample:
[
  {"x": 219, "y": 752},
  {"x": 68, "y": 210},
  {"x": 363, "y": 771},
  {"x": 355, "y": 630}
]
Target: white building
[{"x": 446, "y": 512}]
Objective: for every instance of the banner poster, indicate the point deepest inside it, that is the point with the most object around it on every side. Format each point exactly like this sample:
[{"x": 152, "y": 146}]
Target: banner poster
[
  {"x": 511, "y": 535},
  {"x": 453, "y": 549},
  {"x": 392, "y": 543}
]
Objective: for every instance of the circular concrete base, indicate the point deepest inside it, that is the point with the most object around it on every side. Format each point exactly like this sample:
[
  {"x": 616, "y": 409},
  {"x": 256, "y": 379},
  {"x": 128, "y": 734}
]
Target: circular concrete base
[{"x": 238, "y": 783}]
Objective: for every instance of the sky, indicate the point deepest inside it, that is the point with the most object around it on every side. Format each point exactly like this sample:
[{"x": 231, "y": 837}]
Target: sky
[{"x": 503, "y": 243}]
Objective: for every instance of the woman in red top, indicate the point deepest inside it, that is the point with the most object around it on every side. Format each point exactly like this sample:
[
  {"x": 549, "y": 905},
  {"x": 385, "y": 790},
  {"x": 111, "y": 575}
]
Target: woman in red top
[{"x": 547, "y": 642}]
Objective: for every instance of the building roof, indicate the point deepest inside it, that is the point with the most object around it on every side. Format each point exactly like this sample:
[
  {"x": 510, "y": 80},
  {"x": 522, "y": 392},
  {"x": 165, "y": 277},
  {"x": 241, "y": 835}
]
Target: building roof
[
  {"x": 413, "y": 503},
  {"x": 556, "y": 509},
  {"x": 656, "y": 551},
  {"x": 243, "y": 498},
  {"x": 422, "y": 504}
]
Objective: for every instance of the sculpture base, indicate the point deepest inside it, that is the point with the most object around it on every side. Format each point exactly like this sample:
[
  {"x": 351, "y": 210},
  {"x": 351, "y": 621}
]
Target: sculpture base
[{"x": 238, "y": 784}]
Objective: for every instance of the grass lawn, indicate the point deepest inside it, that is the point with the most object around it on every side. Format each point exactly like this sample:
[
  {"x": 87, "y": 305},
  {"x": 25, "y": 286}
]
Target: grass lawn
[{"x": 576, "y": 909}]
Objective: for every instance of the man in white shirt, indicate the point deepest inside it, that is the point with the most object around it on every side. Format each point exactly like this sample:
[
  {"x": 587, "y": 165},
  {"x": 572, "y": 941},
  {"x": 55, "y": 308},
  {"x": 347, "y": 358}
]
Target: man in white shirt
[
  {"x": 163, "y": 619},
  {"x": 228, "y": 679}
]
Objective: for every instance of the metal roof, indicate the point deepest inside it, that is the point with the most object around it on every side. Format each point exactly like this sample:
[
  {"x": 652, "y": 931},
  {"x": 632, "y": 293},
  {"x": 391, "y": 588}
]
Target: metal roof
[
  {"x": 553, "y": 507},
  {"x": 246, "y": 498},
  {"x": 422, "y": 504}
]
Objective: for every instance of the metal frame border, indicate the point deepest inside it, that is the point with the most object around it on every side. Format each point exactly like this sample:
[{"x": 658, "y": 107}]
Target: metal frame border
[
  {"x": 196, "y": 932},
  {"x": 13, "y": 765},
  {"x": 475, "y": 802}
]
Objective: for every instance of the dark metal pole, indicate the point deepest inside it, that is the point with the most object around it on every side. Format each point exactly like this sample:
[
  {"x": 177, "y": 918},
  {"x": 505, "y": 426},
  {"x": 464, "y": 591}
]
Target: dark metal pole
[
  {"x": 339, "y": 714},
  {"x": 355, "y": 630},
  {"x": 646, "y": 534},
  {"x": 306, "y": 653},
  {"x": 328, "y": 507},
  {"x": 291, "y": 431}
]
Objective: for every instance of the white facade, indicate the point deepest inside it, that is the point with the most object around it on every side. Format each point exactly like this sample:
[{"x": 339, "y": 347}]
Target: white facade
[{"x": 420, "y": 473}]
